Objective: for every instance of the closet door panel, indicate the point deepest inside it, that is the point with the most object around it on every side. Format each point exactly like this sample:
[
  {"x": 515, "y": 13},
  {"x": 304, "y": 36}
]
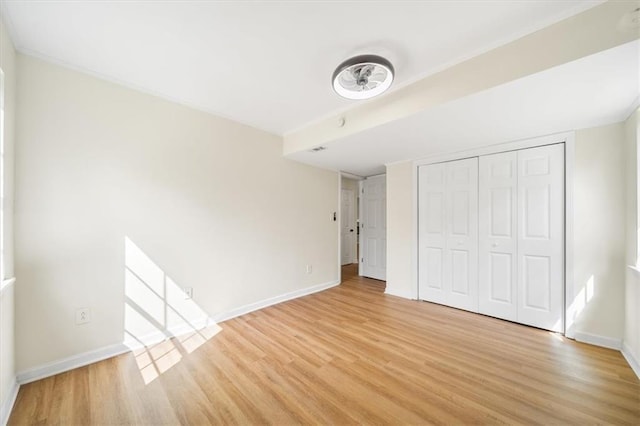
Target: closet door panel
[
  {"x": 448, "y": 233},
  {"x": 541, "y": 237},
  {"x": 433, "y": 276},
  {"x": 498, "y": 218},
  {"x": 462, "y": 238}
]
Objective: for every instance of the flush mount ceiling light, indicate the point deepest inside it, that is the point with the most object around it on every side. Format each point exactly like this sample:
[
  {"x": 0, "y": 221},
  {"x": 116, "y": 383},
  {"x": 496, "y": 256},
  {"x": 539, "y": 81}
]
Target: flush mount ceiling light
[{"x": 363, "y": 77}]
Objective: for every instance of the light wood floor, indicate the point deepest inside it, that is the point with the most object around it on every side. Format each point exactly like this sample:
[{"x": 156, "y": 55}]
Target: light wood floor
[{"x": 347, "y": 355}]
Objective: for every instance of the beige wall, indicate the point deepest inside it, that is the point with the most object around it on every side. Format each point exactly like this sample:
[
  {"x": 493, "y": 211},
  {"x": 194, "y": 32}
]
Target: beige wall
[
  {"x": 631, "y": 343},
  {"x": 350, "y": 184},
  {"x": 599, "y": 237},
  {"x": 200, "y": 201},
  {"x": 598, "y": 220},
  {"x": 400, "y": 280},
  {"x": 7, "y": 360}
]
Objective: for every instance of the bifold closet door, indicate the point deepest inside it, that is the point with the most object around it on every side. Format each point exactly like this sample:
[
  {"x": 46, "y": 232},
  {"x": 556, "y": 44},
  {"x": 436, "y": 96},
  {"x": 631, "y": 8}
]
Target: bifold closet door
[
  {"x": 498, "y": 240},
  {"x": 541, "y": 237},
  {"x": 521, "y": 236},
  {"x": 448, "y": 233}
]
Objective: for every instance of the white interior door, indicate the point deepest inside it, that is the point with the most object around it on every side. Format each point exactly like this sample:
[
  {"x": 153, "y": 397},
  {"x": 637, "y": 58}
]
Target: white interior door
[
  {"x": 498, "y": 217},
  {"x": 541, "y": 237},
  {"x": 347, "y": 226},
  {"x": 374, "y": 228},
  {"x": 448, "y": 226}
]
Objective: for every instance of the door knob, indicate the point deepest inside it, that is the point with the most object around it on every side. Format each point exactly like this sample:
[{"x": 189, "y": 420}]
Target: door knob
[{"x": 350, "y": 230}]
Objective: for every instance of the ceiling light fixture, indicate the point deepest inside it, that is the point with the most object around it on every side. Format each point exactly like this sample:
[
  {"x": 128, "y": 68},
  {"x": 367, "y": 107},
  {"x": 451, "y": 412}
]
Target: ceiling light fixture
[
  {"x": 363, "y": 77},
  {"x": 630, "y": 21}
]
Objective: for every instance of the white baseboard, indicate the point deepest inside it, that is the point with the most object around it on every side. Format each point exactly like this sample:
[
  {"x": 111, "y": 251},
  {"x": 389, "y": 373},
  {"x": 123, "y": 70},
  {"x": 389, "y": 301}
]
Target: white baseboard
[
  {"x": 69, "y": 363},
  {"x": 570, "y": 332},
  {"x": 86, "y": 358},
  {"x": 393, "y": 292},
  {"x": 224, "y": 316},
  {"x": 594, "y": 339},
  {"x": 634, "y": 363},
  {"x": 162, "y": 335},
  {"x": 7, "y": 404}
]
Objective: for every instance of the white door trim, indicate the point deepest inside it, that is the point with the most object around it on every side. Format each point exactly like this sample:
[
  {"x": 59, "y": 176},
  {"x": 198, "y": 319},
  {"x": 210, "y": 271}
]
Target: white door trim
[
  {"x": 360, "y": 200},
  {"x": 568, "y": 139},
  {"x": 351, "y": 222},
  {"x": 342, "y": 174},
  {"x": 338, "y": 214}
]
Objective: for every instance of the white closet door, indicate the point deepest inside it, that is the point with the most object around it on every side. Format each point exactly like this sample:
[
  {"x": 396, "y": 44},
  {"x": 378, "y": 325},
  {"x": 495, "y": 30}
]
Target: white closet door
[
  {"x": 541, "y": 236},
  {"x": 448, "y": 233},
  {"x": 374, "y": 227},
  {"x": 462, "y": 235},
  {"x": 432, "y": 234},
  {"x": 498, "y": 216}
]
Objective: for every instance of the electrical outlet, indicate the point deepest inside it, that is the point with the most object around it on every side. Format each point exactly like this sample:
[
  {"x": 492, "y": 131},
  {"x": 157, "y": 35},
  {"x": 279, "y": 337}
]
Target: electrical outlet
[
  {"x": 83, "y": 316},
  {"x": 188, "y": 293},
  {"x": 309, "y": 269}
]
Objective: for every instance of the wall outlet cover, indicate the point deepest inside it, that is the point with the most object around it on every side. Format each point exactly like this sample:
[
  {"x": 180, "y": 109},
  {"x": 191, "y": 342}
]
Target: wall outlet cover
[
  {"x": 188, "y": 293},
  {"x": 83, "y": 316}
]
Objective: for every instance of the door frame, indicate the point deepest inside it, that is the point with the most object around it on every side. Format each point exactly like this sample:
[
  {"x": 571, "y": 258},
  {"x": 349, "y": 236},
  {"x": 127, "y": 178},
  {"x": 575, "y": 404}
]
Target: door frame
[
  {"x": 353, "y": 255},
  {"x": 566, "y": 138},
  {"x": 347, "y": 175}
]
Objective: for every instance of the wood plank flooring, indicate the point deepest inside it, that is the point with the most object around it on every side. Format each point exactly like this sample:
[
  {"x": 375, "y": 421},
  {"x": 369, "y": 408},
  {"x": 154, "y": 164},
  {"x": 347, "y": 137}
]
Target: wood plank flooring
[{"x": 347, "y": 355}]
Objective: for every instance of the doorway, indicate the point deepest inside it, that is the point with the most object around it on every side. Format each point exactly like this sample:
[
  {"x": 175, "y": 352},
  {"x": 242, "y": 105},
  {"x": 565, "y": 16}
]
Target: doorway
[
  {"x": 349, "y": 213},
  {"x": 363, "y": 225}
]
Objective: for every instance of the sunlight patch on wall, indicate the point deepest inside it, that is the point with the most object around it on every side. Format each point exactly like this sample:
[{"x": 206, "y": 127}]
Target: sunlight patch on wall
[
  {"x": 590, "y": 289},
  {"x": 581, "y": 300},
  {"x": 157, "y": 309}
]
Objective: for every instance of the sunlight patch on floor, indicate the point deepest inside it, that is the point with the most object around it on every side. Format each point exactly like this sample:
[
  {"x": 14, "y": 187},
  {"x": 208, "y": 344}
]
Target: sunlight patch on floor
[{"x": 162, "y": 323}]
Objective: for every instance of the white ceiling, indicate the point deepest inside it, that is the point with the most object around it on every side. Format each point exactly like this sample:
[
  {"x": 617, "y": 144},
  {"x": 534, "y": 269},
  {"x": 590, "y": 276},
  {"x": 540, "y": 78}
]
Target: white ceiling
[
  {"x": 268, "y": 64},
  {"x": 592, "y": 91}
]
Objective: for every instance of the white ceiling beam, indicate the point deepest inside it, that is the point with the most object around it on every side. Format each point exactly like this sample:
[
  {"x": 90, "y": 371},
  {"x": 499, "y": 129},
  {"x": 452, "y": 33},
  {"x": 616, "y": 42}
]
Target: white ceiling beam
[{"x": 587, "y": 33}]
